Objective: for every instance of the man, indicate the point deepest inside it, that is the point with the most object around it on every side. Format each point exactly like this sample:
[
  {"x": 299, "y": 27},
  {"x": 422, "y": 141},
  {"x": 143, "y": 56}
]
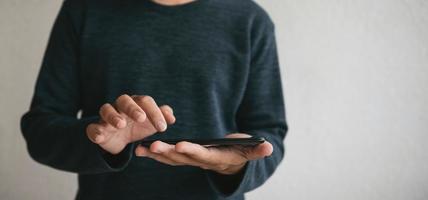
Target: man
[{"x": 126, "y": 64}]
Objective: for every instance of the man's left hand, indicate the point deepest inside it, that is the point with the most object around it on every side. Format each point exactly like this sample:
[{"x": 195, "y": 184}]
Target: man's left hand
[{"x": 224, "y": 160}]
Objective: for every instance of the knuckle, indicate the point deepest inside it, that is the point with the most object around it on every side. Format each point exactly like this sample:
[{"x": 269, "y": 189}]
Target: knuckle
[
  {"x": 89, "y": 130},
  {"x": 166, "y": 154},
  {"x": 122, "y": 98},
  {"x": 221, "y": 167},
  {"x": 138, "y": 99},
  {"x": 130, "y": 109},
  {"x": 197, "y": 153},
  {"x": 147, "y": 99},
  {"x": 103, "y": 108},
  {"x": 188, "y": 153},
  {"x": 97, "y": 129},
  {"x": 134, "y": 111},
  {"x": 111, "y": 118}
]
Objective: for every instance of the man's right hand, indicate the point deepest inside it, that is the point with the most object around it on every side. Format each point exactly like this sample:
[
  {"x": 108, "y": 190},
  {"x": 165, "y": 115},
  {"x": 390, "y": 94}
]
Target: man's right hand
[{"x": 130, "y": 119}]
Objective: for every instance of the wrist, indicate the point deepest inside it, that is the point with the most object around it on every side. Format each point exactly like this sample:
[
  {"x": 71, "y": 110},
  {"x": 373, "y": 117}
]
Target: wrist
[
  {"x": 113, "y": 150},
  {"x": 119, "y": 160}
]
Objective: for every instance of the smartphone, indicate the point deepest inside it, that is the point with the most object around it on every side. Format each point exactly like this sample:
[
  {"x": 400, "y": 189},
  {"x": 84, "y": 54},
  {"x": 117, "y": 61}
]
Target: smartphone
[{"x": 252, "y": 141}]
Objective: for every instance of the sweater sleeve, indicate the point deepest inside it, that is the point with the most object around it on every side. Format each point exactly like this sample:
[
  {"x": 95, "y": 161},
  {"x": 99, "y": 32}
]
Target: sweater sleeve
[
  {"x": 261, "y": 113},
  {"x": 54, "y": 135}
]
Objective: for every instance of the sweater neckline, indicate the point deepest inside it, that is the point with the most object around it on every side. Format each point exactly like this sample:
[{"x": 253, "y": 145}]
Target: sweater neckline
[{"x": 173, "y": 8}]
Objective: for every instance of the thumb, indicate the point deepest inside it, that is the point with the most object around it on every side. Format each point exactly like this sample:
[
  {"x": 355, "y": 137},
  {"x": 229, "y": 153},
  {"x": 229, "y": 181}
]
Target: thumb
[
  {"x": 260, "y": 151},
  {"x": 100, "y": 133},
  {"x": 95, "y": 133}
]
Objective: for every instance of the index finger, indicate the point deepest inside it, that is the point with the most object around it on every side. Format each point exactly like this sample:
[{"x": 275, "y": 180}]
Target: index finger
[
  {"x": 127, "y": 105},
  {"x": 109, "y": 114},
  {"x": 153, "y": 112}
]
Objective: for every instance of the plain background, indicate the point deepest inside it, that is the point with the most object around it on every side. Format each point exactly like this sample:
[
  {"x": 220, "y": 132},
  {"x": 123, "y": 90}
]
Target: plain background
[{"x": 356, "y": 83}]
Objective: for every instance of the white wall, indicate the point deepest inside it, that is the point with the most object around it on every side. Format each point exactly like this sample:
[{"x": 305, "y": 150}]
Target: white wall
[{"x": 356, "y": 85}]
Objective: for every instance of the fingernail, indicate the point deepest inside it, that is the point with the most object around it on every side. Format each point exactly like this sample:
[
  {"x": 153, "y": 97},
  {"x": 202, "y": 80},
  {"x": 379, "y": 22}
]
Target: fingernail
[
  {"x": 160, "y": 148},
  {"x": 117, "y": 121},
  {"x": 142, "y": 152},
  {"x": 161, "y": 125}
]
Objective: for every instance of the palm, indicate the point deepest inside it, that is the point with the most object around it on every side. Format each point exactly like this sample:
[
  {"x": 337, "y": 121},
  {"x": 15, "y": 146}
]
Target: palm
[{"x": 139, "y": 131}]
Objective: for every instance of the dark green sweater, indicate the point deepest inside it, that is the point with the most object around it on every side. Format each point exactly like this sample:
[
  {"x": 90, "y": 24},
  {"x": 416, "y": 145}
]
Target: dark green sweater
[{"x": 213, "y": 61}]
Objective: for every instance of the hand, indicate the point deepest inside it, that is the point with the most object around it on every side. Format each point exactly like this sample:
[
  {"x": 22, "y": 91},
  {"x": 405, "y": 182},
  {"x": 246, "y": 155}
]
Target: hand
[
  {"x": 223, "y": 160},
  {"x": 129, "y": 119}
]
